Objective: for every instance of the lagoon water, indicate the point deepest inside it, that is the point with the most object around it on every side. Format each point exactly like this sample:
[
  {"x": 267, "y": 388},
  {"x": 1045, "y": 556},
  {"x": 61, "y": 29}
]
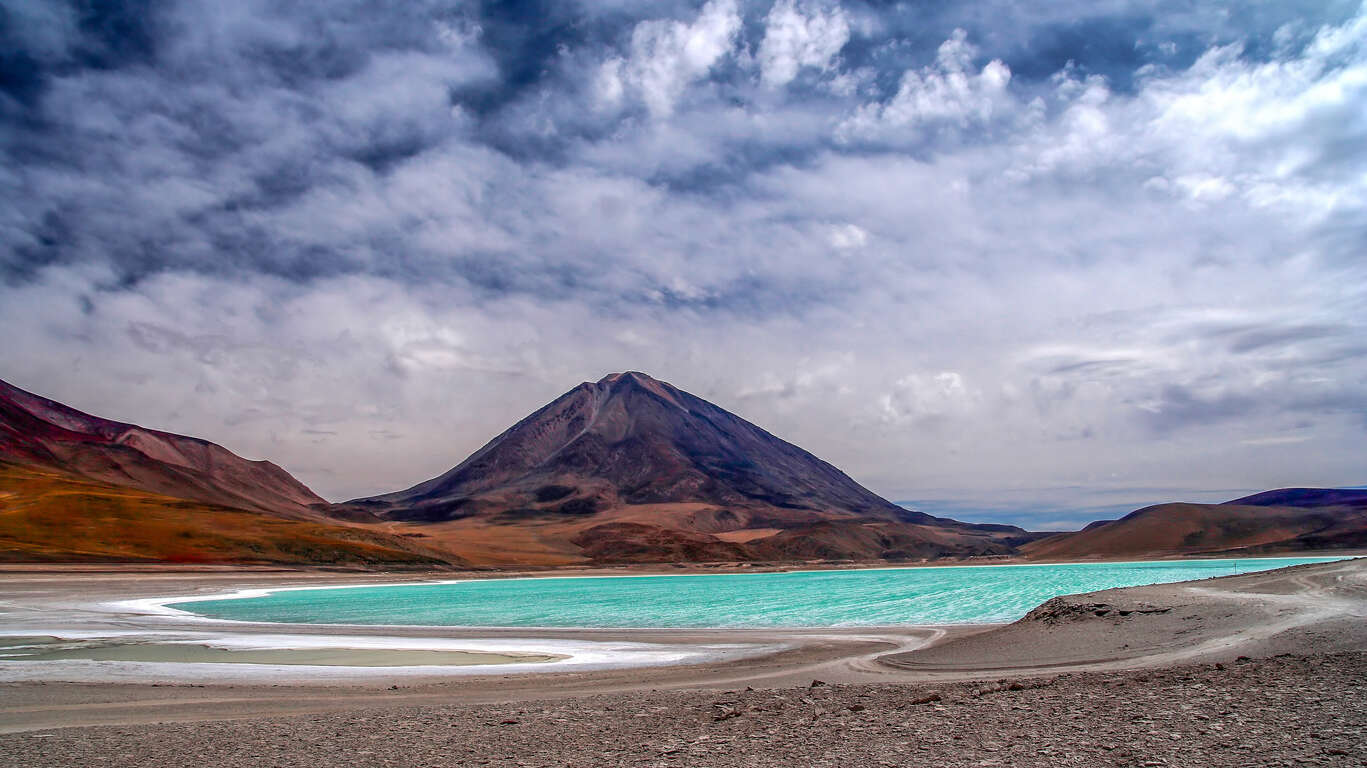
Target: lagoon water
[{"x": 929, "y": 595}]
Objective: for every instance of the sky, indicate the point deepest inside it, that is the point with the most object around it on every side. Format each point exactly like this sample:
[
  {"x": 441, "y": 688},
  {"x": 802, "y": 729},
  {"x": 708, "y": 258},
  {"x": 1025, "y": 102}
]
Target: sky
[{"x": 1033, "y": 263}]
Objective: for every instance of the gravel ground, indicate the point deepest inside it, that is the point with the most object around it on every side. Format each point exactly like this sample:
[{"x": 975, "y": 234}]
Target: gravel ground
[{"x": 1282, "y": 711}]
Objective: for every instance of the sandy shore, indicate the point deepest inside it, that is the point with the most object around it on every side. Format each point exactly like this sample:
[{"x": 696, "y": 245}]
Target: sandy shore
[{"x": 1313, "y": 609}]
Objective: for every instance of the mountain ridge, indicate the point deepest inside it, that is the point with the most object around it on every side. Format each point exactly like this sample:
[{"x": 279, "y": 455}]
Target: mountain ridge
[
  {"x": 628, "y": 469},
  {"x": 38, "y": 431},
  {"x": 1276, "y": 521}
]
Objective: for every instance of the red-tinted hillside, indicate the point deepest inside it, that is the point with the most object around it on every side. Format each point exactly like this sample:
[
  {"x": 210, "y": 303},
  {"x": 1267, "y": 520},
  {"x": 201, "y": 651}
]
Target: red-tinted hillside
[{"x": 38, "y": 432}]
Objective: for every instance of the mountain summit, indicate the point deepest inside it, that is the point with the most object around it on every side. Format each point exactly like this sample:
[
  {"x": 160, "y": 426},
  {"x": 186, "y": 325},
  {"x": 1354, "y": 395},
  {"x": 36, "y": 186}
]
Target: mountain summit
[{"x": 630, "y": 467}]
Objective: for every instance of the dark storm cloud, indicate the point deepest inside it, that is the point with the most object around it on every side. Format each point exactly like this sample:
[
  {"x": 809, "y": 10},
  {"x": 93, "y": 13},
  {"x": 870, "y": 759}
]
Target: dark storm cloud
[
  {"x": 240, "y": 116},
  {"x": 936, "y": 243},
  {"x": 254, "y": 109},
  {"x": 118, "y": 34}
]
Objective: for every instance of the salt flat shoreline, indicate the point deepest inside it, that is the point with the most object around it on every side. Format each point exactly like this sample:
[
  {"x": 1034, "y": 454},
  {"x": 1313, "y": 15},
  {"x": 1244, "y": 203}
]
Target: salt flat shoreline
[
  {"x": 1305, "y": 609},
  {"x": 1258, "y": 669}
]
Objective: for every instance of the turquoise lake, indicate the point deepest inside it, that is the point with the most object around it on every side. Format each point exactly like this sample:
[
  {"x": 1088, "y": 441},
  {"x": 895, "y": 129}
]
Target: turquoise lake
[{"x": 932, "y": 595}]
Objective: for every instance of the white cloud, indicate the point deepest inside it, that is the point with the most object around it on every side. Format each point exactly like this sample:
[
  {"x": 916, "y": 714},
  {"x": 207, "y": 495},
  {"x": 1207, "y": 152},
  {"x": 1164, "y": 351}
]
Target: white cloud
[
  {"x": 1060, "y": 283},
  {"x": 1268, "y": 133},
  {"x": 798, "y": 35},
  {"x": 608, "y": 86},
  {"x": 668, "y": 56},
  {"x": 1263, "y": 130},
  {"x": 1275, "y": 440},
  {"x": 949, "y": 93},
  {"x": 921, "y": 396},
  {"x": 846, "y": 236}
]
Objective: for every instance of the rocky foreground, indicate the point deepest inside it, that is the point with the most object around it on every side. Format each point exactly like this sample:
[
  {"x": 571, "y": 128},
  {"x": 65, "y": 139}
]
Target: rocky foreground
[{"x": 1287, "y": 710}]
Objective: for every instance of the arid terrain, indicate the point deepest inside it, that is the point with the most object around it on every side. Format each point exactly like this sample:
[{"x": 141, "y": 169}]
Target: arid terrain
[
  {"x": 625, "y": 470},
  {"x": 630, "y": 475},
  {"x": 51, "y": 516},
  {"x": 1295, "y": 710},
  {"x": 1260, "y": 669},
  {"x": 38, "y": 432},
  {"x": 1284, "y": 520},
  {"x": 683, "y": 384}
]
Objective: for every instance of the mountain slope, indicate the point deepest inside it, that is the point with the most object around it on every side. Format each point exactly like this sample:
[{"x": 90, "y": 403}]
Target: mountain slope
[
  {"x": 630, "y": 469},
  {"x": 38, "y": 432},
  {"x": 52, "y": 516},
  {"x": 76, "y": 487},
  {"x": 1286, "y": 520}
]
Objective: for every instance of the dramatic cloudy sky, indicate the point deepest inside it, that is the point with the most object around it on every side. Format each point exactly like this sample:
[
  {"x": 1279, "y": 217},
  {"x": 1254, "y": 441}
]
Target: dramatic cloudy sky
[{"x": 1036, "y": 265}]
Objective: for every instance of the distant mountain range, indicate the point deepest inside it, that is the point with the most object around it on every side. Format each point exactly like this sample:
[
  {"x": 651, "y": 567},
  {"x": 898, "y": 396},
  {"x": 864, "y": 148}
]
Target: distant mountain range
[
  {"x": 1285, "y": 520},
  {"x": 628, "y": 469}
]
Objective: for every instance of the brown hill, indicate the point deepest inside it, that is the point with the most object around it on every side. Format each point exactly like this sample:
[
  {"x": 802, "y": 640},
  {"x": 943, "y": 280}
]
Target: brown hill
[
  {"x": 632, "y": 469},
  {"x": 1287, "y": 520},
  {"x": 52, "y": 516},
  {"x": 78, "y": 487},
  {"x": 42, "y": 433}
]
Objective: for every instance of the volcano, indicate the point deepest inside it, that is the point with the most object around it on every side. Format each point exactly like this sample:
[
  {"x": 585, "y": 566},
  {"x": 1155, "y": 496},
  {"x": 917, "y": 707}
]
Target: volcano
[{"x": 630, "y": 468}]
